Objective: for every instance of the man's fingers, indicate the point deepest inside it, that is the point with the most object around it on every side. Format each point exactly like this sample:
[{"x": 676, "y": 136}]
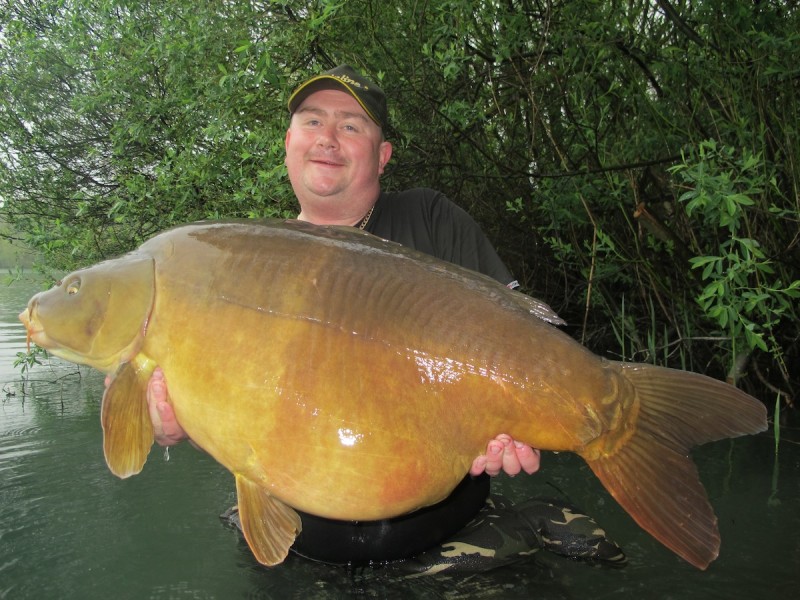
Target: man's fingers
[
  {"x": 494, "y": 457},
  {"x": 529, "y": 458},
  {"x": 511, "y": 464},
  {"x": 166, "y": 429},
  {"x": 478, "y": 466},
  {"x": 505, "y": 454}
]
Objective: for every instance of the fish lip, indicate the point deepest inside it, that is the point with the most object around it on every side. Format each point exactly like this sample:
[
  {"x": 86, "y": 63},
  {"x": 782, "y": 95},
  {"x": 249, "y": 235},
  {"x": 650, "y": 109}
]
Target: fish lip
[{"x": 32, "y": 333}]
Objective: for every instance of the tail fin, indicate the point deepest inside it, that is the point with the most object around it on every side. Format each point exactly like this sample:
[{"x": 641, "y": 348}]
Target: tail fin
[{"x": 652, "y": 476}]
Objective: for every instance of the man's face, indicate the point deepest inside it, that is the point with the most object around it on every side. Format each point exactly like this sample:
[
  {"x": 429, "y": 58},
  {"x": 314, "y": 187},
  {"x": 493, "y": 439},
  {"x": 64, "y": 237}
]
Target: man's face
[{"x": 334, "y": 151}]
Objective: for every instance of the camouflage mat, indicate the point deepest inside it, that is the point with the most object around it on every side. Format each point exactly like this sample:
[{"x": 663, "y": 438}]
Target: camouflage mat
[{"x": 503, "y": 534}]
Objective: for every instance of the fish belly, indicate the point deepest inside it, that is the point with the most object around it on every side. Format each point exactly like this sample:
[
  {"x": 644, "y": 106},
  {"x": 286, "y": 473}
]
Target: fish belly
[{"x": 310, "y": 367}]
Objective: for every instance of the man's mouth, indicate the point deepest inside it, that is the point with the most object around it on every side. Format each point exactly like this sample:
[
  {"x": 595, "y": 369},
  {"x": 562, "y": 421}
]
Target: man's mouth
[{"x": 326, "y": 162}]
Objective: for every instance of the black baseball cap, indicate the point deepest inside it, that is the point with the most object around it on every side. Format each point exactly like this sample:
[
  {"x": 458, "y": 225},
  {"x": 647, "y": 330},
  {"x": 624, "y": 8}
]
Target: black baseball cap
[{"x": 344, "y": 77}]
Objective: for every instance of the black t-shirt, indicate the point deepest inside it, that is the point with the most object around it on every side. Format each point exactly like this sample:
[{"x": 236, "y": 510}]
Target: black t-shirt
[{"x": 428, "y": 221}]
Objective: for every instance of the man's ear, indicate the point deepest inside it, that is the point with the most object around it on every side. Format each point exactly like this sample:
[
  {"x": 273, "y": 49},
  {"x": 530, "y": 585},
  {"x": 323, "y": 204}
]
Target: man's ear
[{"x": 384, "y": 155}]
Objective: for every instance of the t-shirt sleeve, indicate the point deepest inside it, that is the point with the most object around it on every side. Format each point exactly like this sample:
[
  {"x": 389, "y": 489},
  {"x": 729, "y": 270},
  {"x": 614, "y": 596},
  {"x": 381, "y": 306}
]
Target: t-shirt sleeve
[
  {"x": 458, "y": 239},
  {"x": 425, "y": 219}
]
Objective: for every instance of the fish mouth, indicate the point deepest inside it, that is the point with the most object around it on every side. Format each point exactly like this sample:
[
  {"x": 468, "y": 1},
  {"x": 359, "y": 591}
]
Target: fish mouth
[{"x": 31, "y": 332}]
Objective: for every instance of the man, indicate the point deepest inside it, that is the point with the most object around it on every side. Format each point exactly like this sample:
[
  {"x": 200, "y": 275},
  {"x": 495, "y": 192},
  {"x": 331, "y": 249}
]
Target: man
[{"x": 335, "y": 154}]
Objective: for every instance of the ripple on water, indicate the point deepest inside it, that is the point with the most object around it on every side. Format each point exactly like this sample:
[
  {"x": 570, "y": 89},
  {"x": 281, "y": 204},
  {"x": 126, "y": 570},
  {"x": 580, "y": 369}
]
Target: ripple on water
[
  {"x": 10, "y": 452},
  {"x": 13, "y": 334},
  {"x": 12, "y": 325},
  {"x": 12, "y": 341},
  {"x": 18, "y": 487},
  {"x": 18, "y": 443}
]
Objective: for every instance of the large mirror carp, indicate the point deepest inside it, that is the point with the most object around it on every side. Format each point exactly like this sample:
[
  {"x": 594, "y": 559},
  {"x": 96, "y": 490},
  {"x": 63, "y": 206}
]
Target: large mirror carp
[{"x": 352, "y": 378}]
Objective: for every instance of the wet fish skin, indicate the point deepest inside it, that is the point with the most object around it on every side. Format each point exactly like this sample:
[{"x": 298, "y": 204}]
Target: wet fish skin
[{"x": 307, "y": 359}]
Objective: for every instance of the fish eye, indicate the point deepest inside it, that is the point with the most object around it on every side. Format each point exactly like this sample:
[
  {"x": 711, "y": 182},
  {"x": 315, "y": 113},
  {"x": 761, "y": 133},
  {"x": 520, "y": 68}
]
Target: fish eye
[{"x": 73, "y": 287}]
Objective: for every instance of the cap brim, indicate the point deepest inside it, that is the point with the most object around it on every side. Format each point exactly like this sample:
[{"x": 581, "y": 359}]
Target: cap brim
[{"x": 325, "y": 82}]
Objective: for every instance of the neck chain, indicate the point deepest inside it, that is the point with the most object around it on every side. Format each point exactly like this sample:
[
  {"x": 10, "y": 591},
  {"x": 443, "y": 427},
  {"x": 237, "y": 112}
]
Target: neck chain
[{"x": 365, "y": 220}]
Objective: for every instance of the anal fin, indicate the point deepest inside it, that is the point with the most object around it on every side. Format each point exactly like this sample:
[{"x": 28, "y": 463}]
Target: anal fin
[
  {"x": 127, "y": 429},
  {"x": 270, "y": 526}
]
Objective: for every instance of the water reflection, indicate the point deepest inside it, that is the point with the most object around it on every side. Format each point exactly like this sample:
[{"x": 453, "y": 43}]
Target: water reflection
[{"x": 69, "y": 529}]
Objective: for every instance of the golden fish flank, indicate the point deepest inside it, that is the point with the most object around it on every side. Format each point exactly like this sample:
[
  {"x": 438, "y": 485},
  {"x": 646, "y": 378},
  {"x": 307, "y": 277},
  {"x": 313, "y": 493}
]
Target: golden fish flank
[{"x": 358, "y": 353}]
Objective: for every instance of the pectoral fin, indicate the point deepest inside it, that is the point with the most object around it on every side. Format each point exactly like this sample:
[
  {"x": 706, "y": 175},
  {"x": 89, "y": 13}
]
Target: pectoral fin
[
  {"x": 127, "y": 429},
  {"x": 270, "y": 526}
]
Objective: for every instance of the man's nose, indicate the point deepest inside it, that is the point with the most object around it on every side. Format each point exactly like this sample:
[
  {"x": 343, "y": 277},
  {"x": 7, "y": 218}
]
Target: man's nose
[{"x": 327, "y": 138}]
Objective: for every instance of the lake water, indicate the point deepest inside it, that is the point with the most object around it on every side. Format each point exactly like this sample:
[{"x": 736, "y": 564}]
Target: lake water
[{"x": 70, "y": 529}]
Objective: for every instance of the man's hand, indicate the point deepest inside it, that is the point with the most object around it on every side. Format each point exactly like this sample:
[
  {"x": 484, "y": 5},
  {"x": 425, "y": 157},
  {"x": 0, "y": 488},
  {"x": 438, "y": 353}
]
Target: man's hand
[
  {"x": 166, "y": 429},
  {"x": 504, "y": 454}
]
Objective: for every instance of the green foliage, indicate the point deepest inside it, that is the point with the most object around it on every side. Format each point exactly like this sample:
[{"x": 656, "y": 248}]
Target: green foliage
[
  {"x": 26, "y": 360},
  {"x": 612, "y": 150},
  {"x": 121, "y": 119},
  {"x": 744, "y": 289}
]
